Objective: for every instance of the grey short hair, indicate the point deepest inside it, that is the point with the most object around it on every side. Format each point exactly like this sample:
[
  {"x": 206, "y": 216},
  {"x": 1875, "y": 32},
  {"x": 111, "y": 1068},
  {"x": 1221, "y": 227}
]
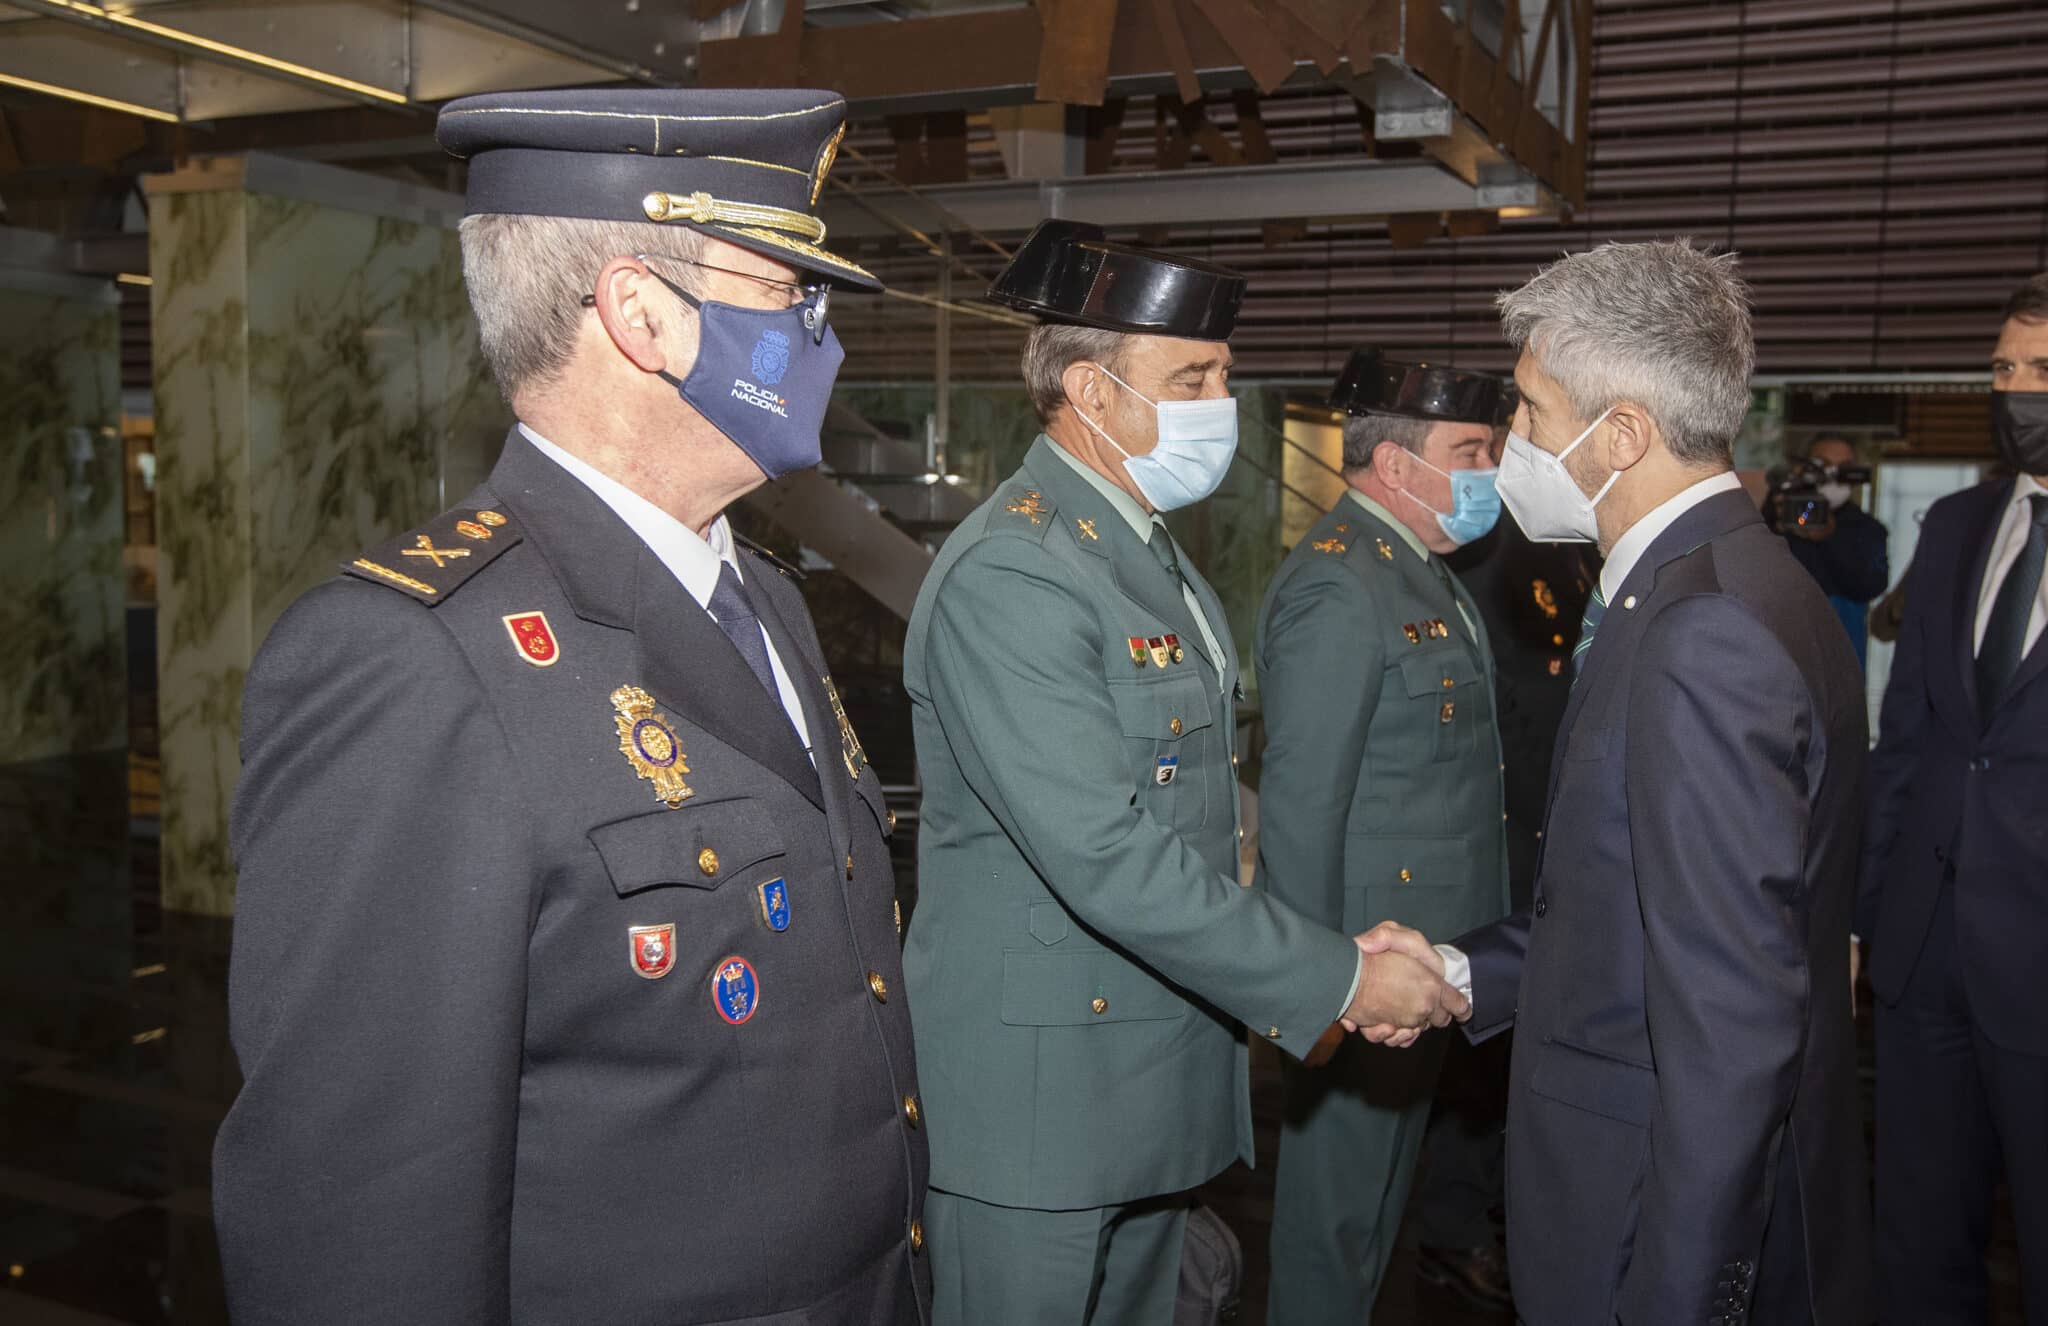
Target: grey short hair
[
  {"x": 1363, "y": 434},
  {"x": 1663, "y": 324},
  {"x": 1052, "y": 347},
  {"x": 527, "y": 276}
]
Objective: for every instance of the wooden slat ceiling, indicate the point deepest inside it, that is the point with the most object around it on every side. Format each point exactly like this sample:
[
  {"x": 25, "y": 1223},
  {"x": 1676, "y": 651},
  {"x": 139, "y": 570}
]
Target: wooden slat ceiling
[{"x": 1881, "y": 167}]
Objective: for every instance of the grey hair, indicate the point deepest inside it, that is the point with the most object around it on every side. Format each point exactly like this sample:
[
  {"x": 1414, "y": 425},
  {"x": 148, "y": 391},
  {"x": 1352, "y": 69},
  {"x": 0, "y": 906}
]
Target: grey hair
[
  {"x": 1051, "y": 348},
  {"x": 527, "y": 276},
  {"x": 1363, "y": 434},
  {"x": 1662, "y": 324}
]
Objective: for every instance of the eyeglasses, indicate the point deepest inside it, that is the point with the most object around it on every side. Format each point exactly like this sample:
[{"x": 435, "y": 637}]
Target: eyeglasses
[{"x": 813, "y": 298}]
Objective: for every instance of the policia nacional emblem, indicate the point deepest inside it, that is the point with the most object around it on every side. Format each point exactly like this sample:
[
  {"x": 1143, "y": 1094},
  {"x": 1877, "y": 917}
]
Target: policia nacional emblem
[{"x": 651, "y": 745}]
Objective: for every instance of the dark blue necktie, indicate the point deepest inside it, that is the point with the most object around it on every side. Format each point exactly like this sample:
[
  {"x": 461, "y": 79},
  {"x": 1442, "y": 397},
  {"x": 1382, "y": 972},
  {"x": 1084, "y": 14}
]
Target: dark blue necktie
[
  {"x": 2005, "y": 634},
  {"x": 735, "y": 614},
  {"x": 1596, "y": 608}
]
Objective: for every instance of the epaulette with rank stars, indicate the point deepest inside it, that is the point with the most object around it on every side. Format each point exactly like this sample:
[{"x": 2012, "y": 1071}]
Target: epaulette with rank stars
[{"x": 431, "y": 562}]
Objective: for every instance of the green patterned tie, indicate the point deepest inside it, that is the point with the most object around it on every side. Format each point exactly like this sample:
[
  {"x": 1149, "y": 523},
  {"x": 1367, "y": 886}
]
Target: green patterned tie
[{"x": 1596, "y": 608}]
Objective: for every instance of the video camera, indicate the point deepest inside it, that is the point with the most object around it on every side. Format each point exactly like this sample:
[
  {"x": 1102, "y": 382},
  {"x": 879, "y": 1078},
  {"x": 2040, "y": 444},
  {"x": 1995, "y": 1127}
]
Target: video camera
[{"x": 1795, "y": 500}]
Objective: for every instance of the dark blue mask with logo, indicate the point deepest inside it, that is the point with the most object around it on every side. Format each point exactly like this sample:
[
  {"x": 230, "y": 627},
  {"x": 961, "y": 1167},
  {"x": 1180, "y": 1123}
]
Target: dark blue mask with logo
[{"x": 763, "y": 377}]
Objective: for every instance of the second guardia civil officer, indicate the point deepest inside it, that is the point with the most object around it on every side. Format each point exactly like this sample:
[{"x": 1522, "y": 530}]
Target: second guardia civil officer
[
  {"x": 1380, "y": 794},
  {"x": 565, "y": 977},
  {"x": 1083, "y": 959}
]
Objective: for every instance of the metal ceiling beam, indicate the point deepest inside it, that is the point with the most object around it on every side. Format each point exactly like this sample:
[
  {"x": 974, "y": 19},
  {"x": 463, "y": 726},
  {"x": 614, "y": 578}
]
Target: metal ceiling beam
[
  {"x": 1318, "y": 190},
  {"x": 387, "y": 92},
  {"x": 641, "y": 44}
]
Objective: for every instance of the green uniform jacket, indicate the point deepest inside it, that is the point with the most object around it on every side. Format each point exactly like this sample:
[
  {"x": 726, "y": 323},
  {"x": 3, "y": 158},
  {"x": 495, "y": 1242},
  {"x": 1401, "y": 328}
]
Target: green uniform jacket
[
  {"x": 1380, "y": 792},
  {"x": 1082, "y": 955}
]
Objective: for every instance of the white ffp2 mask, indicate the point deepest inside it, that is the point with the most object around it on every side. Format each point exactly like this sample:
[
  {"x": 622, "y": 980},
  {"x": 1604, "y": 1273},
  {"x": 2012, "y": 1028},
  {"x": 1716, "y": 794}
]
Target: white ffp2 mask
[{"x": 1541, "y": 494}]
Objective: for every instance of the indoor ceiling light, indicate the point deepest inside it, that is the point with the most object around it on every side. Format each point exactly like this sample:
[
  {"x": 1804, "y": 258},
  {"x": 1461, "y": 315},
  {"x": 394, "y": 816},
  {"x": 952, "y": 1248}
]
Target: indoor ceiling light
[
  {"x": 73, "y": 94},
  {"x": 207, "y": 45}
]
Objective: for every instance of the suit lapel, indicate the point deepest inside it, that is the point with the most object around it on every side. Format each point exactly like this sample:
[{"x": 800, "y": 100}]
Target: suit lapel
[
  {"x": 613, "y": 579},
  {"x": 1963, "y": 604},
  {"x": 692, "y": 668},
  {"x": 808, "y": 676}
]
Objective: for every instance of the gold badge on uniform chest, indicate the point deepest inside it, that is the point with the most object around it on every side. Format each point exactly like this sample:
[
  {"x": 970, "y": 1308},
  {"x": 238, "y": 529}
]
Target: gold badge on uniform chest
[
  {"x": 651, "y": 745},
  {"x": 849, "y": 744}
]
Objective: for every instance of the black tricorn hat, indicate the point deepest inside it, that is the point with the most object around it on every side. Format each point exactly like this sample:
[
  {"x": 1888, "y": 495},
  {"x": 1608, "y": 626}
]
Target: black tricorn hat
[
  {"x": 1371, "y": 381},
  {"x": 1066, "y": 271}
]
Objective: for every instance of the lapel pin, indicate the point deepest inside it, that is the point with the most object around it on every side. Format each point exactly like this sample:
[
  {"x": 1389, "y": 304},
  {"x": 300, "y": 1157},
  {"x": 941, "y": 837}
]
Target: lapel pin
[
  {"x": 654, "y": 949},
  {"x": 532, "y": 638}
]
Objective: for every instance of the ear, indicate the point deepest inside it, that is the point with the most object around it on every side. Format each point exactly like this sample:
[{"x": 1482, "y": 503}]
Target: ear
[
  {"x": 1631, "y": 430},
  {"x": 631, "y": 309},
  {"x": 1390, "y": 463},
  {"x": 1087, "y": 387}
]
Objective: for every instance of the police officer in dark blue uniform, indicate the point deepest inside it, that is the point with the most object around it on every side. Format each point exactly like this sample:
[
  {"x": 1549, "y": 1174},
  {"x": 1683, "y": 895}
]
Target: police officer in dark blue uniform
[{"x": 566, "y": 981}]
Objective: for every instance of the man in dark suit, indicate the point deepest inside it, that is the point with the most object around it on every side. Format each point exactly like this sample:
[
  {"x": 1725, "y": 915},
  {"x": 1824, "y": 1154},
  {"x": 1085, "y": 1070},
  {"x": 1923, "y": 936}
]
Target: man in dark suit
[
  {"x": 1682, "y": 1144},
  {"x": 1955, "y": 873},
  {"x": 565, "y": 975}
]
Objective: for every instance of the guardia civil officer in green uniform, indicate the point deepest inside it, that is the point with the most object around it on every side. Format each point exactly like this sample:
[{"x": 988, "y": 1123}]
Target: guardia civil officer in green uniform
[
  {"x": 565, "y": 974},
  {"x": 1083, "y": 960},
  {"x": 1380, "y": 793}
]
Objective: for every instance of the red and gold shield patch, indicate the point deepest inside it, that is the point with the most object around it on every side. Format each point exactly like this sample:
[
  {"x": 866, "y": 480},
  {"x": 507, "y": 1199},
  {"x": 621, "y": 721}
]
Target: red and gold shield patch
[
  {"x": 1155, "y": 645},
  {"x": 535, "y": 642},
  {"x": 654, "y": 949}
]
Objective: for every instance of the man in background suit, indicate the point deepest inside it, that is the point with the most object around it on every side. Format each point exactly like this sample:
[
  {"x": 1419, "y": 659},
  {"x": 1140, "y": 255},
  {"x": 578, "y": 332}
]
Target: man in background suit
[
  {"x": 1682, "y": 1144},
  {"x": 1955, "y": 873}
]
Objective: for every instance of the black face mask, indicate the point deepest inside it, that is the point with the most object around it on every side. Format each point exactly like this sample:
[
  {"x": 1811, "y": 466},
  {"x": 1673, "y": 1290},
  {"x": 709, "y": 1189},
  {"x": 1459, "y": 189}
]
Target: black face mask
[{"x": 2019, "y": 424}]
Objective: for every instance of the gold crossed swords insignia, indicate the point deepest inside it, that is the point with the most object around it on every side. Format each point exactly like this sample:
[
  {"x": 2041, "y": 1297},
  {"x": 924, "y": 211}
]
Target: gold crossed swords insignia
[{"x": 424, "y": 547}]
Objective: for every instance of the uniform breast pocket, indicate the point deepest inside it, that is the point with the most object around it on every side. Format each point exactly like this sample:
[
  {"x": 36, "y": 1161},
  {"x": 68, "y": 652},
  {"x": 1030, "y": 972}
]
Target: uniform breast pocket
[
  {"x": 1443, "y": 685},
  {"x": 699, "y": 845},
  {"x": 1166, "y": 726}
]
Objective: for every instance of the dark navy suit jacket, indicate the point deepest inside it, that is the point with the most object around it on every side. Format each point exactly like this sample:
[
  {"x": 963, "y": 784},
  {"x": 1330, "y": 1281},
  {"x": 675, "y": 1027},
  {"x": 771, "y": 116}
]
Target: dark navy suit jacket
[
  {"x": 1948, "y": 793},
  {"x": 1682, "y": 1135}
]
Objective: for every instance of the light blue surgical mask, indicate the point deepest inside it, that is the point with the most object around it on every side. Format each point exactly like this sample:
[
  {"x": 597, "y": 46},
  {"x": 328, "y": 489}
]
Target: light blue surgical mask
[
  {"x": 1475, "y": 503},
  {"x": 1197, "y": 440}
]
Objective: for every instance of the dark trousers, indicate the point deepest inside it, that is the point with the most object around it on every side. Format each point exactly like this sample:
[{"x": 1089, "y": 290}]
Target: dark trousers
[
  {"x": 1464, "y": 1157},
  {"x": 1952, "y": 1108}
]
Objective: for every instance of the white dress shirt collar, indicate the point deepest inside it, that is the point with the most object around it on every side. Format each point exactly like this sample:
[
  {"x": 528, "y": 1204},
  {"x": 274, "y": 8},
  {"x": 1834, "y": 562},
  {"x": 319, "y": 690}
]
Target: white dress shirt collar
[
  {"x": 692, "y": 560},
  {"x": 1637, "y": 538}
]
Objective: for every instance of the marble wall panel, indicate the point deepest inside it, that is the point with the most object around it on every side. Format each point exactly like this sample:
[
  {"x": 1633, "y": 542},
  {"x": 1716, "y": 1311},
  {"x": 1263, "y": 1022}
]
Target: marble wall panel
[
  {"x": 318, "y": 389},
  {"x": 63, "y": 684}
]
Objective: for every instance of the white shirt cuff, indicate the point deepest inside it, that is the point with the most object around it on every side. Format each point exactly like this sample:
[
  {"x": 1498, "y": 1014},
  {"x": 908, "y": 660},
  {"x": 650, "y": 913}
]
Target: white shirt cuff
[
  {"x": 1457, "y": 969},
  {"x": 1357, "y": 975}
]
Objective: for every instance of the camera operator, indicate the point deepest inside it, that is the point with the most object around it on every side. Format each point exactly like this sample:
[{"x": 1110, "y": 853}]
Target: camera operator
[{"x": 1839, "y": 543}]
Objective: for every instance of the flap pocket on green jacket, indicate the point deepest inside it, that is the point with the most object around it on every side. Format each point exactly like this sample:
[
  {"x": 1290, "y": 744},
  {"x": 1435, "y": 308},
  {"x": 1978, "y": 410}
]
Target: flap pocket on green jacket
[
  {"x": 1612, "y": 1088},
  {"x": 1075, "y": 989},
  {"x": 699, "y": 844},
  {"x": 1163, "y": 710},
  {"x": 1394, "y": 860},
  {"x": 1437, "y": 672}
]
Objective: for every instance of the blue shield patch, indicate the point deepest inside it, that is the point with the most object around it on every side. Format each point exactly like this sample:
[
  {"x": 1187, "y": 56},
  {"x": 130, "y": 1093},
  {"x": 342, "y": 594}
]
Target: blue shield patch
[
  {"x": 771, "y": 358},
  {"x": 1169, "y": 766},
  {"x": 774, "y": 897},
  {"x": 735, "y": 989}
]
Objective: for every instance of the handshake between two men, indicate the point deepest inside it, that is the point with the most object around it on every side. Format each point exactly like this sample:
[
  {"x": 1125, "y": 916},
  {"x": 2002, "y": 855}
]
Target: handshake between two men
[{"x": 1401, "y": 993}]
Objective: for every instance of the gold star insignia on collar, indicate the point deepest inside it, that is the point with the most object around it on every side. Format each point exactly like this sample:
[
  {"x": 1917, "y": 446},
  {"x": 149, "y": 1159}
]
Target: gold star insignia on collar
[{"x": 1386, "y": 553}]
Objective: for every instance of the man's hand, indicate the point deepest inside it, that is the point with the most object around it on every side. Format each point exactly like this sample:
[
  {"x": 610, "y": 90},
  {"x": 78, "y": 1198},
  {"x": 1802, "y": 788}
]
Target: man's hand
[
  {"x": 1401, "y": 991},
  {"x": 1325, "y": 1046}
]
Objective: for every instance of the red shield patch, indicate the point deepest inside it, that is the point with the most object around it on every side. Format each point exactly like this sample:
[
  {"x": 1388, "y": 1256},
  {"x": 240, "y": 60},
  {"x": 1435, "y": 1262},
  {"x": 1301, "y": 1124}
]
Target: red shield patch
[
  {"x": 654, "y": 950},
  {"x": 533, "y": 639}
]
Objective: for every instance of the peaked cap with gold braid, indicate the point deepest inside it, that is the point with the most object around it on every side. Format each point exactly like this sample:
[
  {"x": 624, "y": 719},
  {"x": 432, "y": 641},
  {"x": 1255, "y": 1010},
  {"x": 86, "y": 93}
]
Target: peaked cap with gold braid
[{"x": 746, "y": 165}]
